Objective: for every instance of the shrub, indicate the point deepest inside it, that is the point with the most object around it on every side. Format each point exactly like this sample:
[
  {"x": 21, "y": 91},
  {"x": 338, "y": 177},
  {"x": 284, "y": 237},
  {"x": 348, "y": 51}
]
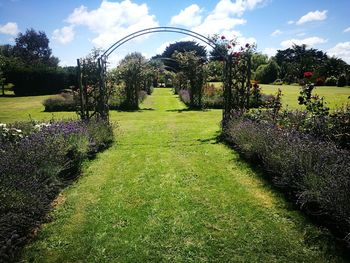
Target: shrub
[
  {"x": 341, "y": 81},
  {"x": 34, "y": 169},
  {"x": 319, "y": 81},
  {"x": 39, "y": 81},
  {"x": 331, "y": 81},
  {"x": 314, "y": 173},
  {"x": 62, "y": 102},
  {"x": 267, "y": 73},
  {"x": 278, "y": 82}
]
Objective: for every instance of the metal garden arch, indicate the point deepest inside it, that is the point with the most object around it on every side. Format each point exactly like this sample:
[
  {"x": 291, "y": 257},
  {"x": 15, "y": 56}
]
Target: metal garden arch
[{"x": 102, "y": 110}]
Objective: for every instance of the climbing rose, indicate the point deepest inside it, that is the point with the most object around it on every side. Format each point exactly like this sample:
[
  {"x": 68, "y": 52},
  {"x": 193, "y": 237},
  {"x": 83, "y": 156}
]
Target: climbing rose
[
  {"x": 308, "y": 74},
  {"x": 247, "y": 45},
  {"x": 222, "y": 37},
  {"x": 229, "y": 46}
]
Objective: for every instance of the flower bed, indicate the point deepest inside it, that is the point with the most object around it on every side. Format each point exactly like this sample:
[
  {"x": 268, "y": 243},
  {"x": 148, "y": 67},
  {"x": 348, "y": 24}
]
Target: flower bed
[
  {"x": 314, "y": 173},
  {"x": 36, "y": 162}
]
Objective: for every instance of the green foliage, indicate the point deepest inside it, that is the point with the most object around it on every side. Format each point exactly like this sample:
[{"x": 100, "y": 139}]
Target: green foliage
[
  {"x": 259, "y": 59},
  {"x": 35, "y": 168},
  {"x": 268, "y": 73},
  {"x": 331, "y": 81},
  {"x": 341, "y": 81},
  {"x": 314, "y": 104},
  {"x": 30, "y": 66},
  {"x": 38, "y": 80},
  {"x": 33, "y": 48},
  {"x": 214, "y": 70},
  {"x": 167, "y": 191},
  {"x": 299, "y": 59},
  {"x": 192, "y": 67},
  {"x": 314, "y": 174},
  {"x": 62, "y": 102},
  {"x": 180, "y": 47},
  {"x": 133, "y": 70}
]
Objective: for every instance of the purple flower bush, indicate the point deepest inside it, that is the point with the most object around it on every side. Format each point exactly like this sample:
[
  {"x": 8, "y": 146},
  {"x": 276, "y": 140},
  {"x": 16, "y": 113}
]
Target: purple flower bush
[
  {"x": 35, "y": 167},
  {"x": 314, "y": 173}
]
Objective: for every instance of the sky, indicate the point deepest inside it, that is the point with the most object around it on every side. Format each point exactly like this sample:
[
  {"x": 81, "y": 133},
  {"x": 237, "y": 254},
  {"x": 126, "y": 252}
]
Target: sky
[{"x": 74, "y": 27}]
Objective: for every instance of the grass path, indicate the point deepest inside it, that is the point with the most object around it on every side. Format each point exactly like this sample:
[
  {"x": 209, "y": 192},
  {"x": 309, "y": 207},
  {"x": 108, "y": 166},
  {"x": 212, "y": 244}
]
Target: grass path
[{"x": 167, "y": 192}]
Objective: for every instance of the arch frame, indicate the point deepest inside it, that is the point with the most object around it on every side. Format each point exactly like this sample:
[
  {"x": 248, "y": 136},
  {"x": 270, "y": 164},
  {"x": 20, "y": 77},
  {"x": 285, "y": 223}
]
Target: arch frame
[{"x": 102, "y": 110}]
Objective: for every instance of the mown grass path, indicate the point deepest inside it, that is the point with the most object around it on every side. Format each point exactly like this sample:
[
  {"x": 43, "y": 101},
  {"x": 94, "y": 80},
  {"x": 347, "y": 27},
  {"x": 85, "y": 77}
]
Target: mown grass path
[{"x": 167, "y": 192}]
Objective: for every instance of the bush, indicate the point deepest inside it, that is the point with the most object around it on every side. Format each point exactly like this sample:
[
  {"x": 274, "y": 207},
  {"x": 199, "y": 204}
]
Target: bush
[
  {"x": 341, "y": 81},
  {"x": 62, "y": 102},
  {"x": 39, "y": 81},
  {"x": 266, "y": 74},
  {"x": 34, "y": 168},
  {"x": 278, "y": 82},
  {"x": 331, "y": 81},
  {"x": 314, "y": 173}
]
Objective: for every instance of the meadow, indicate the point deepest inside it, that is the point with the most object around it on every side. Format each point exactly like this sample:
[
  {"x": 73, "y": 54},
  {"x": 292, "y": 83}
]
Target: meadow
[
  {"x": 334, "y": 96},
  {"x": 168, "y": 191}
]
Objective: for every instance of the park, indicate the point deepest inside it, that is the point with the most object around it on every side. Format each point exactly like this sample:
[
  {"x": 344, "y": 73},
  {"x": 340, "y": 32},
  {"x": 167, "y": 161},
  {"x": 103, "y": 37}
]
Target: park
[{"x": 210, "y": 151}]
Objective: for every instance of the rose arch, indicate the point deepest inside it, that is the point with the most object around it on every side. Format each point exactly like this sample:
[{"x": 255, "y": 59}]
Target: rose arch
[{"x": 101, "y": 109}]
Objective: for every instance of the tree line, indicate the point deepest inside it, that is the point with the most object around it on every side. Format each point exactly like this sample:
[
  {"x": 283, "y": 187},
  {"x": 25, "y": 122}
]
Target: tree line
[{"x": 30, "y": 66}]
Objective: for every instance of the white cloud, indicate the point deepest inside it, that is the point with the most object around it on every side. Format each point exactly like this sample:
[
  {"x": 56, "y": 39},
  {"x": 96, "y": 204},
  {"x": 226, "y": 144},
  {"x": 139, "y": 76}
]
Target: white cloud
[
  {"x": 270, "y": 51},
  {"x": 346, "y": 30},
  {"x": 312, "y": 16},
  {"x": 290, "y": 22},
  {"x": 276, "y": 33},
  {"x": 189, "y": 17},
  {"x": 64, "y": 35},
  {"x": 341, "y": 50},
  {"x": 112, "y": 20},
  {"x": 9, "y": 28},
  {"x": 226, "y": 16},
  {"x": 310, "y": 41}
]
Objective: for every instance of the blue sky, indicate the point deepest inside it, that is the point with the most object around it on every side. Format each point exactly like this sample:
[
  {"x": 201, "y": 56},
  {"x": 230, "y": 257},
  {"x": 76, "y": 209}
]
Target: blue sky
[{"x": 74, "y": 27}]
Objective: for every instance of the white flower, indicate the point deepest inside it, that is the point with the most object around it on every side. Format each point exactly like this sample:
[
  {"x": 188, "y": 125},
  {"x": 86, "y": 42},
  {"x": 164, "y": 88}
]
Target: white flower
[{"x": 2, "y": 125}]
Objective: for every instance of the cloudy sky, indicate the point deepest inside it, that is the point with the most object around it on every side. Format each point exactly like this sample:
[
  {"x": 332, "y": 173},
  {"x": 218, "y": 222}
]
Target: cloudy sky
[{"x": 74, "y": 27}]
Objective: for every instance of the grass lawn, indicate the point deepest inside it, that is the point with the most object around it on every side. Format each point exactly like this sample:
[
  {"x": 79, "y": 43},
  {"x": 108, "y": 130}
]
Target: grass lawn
[
  {"x": 334, "y": 96},
  {"x": 168, "y": 192},
  {"x": 23, "y": 108}
]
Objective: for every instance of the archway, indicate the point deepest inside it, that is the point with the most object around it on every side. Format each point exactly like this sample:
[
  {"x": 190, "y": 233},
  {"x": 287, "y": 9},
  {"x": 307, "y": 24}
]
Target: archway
[{"x": 102, "y": 110}]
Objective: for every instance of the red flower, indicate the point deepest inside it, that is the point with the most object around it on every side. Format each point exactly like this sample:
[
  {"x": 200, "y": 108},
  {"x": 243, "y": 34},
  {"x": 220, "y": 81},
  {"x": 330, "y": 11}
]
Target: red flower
[
  {"x": 223, "y": 37},
  {"x": 229, "y": 46},
  {"x": 236, "y": 54},
  {"x": 247, "y": 45},
  {"x": 308, "y": 74}
]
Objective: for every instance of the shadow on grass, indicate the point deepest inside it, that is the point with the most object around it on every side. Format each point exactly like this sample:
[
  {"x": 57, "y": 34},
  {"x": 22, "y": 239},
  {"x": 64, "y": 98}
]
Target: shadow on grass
[
  {"x": 135, "y": 110},
  {"x": 187, "y": 109},
  {"x": 327, "y": 239},
  {"x": 8, "y": 96}
]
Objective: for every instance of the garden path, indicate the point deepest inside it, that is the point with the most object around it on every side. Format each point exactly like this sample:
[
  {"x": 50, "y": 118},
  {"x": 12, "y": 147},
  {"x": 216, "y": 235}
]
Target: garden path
[{"x": 166, "y": 191}]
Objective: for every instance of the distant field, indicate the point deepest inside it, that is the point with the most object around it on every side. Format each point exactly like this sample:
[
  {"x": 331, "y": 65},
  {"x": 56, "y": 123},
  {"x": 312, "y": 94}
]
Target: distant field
[
  {"x": 23, "y": 108},
  {"x": 334, "y": 96}
]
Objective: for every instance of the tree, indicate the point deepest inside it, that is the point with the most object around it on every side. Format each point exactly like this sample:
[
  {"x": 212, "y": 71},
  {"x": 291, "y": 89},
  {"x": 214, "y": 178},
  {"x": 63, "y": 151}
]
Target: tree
[
  {"x": 267, "y": 73},
  {"x": 214, "y": 69},
  {"x": 297, "y": 60},
  {"x": 33, "y": 48},
  {"x": 132, "y": 70},
  {"x": 192, "y": 67},
  {"x": 181, "y": 47},
  {"x": 2, "y": 78},
  {"x": 259, "y": 59}
]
